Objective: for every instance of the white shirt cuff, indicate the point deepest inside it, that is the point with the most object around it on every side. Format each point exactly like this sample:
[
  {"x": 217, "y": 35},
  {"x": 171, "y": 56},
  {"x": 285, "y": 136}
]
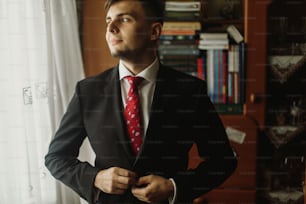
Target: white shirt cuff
[{"x": 172, "y": 200}]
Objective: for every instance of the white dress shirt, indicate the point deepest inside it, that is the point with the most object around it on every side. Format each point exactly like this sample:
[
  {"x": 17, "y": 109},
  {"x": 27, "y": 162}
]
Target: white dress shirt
[{"x": 146, "y": 89}]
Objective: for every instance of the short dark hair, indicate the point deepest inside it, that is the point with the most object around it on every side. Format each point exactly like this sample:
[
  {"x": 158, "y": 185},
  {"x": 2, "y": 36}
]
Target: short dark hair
[{"x": 153, "y": 8}]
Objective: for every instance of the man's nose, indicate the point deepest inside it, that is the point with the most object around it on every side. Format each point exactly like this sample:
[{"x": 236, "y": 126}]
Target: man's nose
[{"x": 112, "y": 27}]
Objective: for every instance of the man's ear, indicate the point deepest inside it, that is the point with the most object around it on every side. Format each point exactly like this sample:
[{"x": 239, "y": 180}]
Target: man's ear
[{"x": 156, "y": 30}]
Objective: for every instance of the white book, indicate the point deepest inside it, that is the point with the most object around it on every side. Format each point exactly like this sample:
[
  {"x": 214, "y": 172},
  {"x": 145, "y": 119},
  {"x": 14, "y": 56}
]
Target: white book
[
  {"x": 214, "y": 42},
  {"x": 213, "y": 36},
  {"x": 234, "y": 33},
  {"x": 182, "y": 6},
  {"x": 214, "y": 47},
  {"x": 231, "y": 59}
]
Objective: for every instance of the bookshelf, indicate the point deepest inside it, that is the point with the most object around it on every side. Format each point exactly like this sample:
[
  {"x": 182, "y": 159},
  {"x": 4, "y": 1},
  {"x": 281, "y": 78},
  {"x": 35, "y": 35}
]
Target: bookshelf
[
  {"x": 199, "y": 43},
  {"x": 283, "y": 174},
  {"x": 241, "y": 187},
  {"x": 178, "y": 44}
]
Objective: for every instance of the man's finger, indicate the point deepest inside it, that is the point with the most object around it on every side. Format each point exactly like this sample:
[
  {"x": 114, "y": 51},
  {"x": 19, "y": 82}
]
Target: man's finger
[
  {"x": 126, "y": 180},
  {"x": 143, "y": 181},
  {"x": 125, "y": 172}
]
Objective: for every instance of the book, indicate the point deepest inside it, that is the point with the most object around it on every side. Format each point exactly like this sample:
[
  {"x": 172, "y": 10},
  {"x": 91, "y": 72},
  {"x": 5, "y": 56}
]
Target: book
[
  {"x": 189, "y": 51},
  {"x": 180, "y": 25},
  {"x": 213, "y": 36},
  {"x": 214, "y": 42},
  {"x": 234, "y": 33},
  {"x": 182, "y": 63},
  {"x": 210, "y": 73},
  {"x": 201, "y": 68},
  {"x": 178, "y": 32},
  {"x": 179, "y": 57},
  {"x": 177, "y": 37},
  {"x": 182, "y": 6},
  {"x": 213, "y": 47},
  {"x": 242, "y": 71},
  {"x": 178, "y": 42},
  {"x": 178, "y": 47},
  {"x": 182, "y": 15}
]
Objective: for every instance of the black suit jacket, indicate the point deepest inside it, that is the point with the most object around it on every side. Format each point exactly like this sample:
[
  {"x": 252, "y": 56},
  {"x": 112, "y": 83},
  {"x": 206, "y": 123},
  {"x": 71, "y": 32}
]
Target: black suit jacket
[{"x": 181, "y": 115}]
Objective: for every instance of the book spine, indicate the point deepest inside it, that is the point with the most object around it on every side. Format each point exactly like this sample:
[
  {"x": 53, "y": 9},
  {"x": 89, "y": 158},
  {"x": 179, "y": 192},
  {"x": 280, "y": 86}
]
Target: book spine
[
  {"x": 216, "y": 77},
  {"x": 194, "y": 25},
  {"x": 242, "y": 71},
  {"x": 200, "y": 68},
  {"x": 214, "y": 42},
  {"x": 213, "y": 36},
  {"x": 177, "y": 37},
  {"x": 210, "y": 73},
  {"x": 182, "y": 6},
  {"x": 213, "y": 47},
  {"x": 179, "y": 47},
  {"x": 179, "y": 52},
  {"x": 178, "y": 32},
  {"x": 224, "y": 79},
  {"x": 178, "y": 42}
]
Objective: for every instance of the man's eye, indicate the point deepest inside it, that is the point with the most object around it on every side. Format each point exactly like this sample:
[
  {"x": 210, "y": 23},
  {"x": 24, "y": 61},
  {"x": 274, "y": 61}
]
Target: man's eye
[{"x": 124, "y": 20}]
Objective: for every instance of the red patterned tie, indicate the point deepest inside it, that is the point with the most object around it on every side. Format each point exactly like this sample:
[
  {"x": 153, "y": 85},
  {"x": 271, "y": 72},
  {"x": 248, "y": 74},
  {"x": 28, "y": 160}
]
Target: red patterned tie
[{"x": 132, "y": 113}]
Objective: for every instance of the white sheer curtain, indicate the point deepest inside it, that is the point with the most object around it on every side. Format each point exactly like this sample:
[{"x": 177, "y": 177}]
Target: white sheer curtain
[
  {"x": 65, "y": 69},
  {"x": 40, "y": 61},
  {"x": 24, "y": 116}
]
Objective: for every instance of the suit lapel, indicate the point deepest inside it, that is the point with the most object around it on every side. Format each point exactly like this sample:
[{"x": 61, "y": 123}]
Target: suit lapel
[
  {"x": 159, "y": 100},
  {"x": 112, "y": 88}
]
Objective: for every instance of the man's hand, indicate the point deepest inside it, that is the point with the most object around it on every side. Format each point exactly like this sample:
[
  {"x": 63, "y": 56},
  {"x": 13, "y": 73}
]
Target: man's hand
[
  {"x": 115, "y": 180},
  {"x": 153, "y": 188}
]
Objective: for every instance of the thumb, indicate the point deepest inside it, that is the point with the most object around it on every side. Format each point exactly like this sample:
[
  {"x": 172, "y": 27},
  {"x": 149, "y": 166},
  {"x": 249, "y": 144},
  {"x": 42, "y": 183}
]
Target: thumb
[{"x": 143, "y": 181}]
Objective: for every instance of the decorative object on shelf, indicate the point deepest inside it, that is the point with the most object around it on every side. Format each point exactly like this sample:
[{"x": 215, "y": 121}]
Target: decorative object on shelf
[
  {"x": 296, "y": 112},
  {"x": 282, "y": 67},
  {"x": 285, "y": 197},
  {"x": 281, "y": 135},
  {"x": 290, "y": 121},
  {"x": 288, "y": 181}
]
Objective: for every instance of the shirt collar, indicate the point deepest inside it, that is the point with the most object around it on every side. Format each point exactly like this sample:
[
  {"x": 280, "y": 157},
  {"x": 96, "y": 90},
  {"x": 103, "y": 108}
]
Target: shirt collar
[{"x": 149, "y": 73}]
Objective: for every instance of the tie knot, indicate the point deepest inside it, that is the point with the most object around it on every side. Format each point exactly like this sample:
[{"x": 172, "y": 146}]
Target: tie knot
[{"x": 134, "y": 81}]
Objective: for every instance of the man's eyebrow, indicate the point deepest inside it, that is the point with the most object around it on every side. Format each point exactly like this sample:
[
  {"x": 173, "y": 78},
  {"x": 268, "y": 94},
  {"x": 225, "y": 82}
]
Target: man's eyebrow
[{"x": 121, "y": 14}]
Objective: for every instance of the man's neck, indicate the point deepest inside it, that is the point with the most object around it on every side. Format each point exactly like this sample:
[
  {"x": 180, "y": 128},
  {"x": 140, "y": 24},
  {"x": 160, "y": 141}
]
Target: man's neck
[{"x": 137, "y": 66}]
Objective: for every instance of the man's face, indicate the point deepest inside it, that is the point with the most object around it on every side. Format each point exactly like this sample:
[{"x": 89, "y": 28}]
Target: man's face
[{"x": 128, "y": 33}]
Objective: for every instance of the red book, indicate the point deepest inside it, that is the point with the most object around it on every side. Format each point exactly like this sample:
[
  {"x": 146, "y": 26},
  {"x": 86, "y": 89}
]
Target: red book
[{"x": 200, "y": 68}]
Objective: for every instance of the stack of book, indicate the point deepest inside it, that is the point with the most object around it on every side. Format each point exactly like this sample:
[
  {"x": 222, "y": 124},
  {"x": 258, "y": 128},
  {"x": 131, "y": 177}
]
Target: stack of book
[
  {"x": 178, "y": 45},
  {"x": 187, "y": 10},
  {"x": 223, "y": 67}
]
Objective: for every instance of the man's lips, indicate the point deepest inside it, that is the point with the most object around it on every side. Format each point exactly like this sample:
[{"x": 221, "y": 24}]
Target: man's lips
[{"x": 115, "y": 41}]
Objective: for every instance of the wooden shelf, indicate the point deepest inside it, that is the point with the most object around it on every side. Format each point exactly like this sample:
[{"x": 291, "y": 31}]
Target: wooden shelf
[{"x": 208, "y": 21}]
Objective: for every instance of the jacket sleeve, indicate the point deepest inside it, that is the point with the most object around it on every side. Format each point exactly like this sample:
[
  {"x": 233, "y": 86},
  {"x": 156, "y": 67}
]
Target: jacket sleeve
[
  {"x": 213, "y": 146},
  {"x": 61, "y": 159}
]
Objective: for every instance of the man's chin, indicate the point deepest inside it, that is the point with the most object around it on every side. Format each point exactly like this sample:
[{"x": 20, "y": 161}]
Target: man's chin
[
  {"x": 115, "y": 53},
  {"x": 119, "y": 54}
]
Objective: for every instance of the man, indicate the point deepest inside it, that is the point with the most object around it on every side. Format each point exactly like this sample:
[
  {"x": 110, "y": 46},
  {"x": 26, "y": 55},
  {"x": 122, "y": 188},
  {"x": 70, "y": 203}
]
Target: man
[{"x": 174, "y": 112}]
